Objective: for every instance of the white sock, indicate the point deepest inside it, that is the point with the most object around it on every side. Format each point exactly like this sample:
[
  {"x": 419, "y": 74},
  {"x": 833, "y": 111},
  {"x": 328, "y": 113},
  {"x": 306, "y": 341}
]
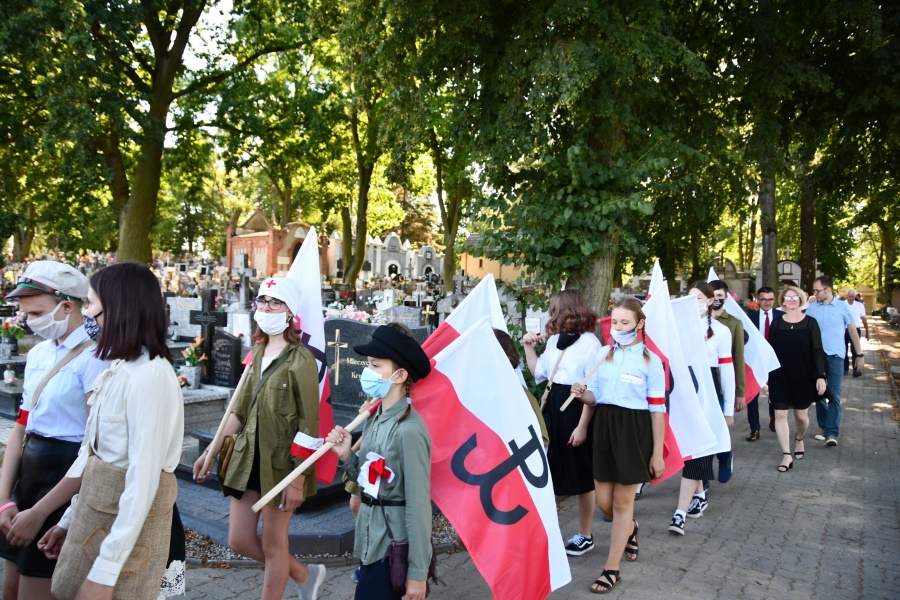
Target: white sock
[
  {"x": 682, "y": 513},
  {"x": 701, "y": 495}
]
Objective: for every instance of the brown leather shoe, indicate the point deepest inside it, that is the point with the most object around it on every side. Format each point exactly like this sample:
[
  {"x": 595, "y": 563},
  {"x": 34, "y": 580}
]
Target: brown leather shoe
[
  {"x": 754, "y": 435},
  {"x": 771, "y": 423}
]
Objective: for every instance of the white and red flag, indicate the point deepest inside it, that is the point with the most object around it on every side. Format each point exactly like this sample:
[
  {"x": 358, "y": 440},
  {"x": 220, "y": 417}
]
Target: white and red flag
[
  {"x": 304, "y": 445},
  {"x": 657, "y": 281},
  {"x": 481, "y": 301},
  {"x": 693, "y": 349},
  {"x": 372, "y": 472},
  {"x": 759, "y": 357},
  {"x": 310, "y": 322},
  {"x": 692, "y": 434},
  {"x": 489, "y": 471}
]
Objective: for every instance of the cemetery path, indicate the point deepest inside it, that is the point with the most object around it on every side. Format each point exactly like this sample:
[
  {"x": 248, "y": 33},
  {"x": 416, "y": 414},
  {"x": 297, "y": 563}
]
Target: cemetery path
[{"x": 828, "y": 528}]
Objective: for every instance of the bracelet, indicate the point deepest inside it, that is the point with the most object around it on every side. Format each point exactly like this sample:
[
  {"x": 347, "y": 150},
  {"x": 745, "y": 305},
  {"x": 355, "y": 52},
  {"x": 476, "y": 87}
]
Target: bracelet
[{"x": 5, "y": 506}]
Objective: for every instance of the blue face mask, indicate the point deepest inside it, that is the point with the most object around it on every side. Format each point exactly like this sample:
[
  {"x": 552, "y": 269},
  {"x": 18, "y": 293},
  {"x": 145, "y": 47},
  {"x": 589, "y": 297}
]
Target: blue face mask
[{"x": 373, "y": 385}]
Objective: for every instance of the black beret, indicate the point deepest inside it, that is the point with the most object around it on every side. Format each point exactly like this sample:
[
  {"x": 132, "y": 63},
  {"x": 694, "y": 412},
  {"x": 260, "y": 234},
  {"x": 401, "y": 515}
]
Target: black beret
[{"x": 387, "y": 342}]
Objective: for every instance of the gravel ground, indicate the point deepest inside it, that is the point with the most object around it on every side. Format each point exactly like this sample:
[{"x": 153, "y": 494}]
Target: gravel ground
[{"x": 206, "y": 550}]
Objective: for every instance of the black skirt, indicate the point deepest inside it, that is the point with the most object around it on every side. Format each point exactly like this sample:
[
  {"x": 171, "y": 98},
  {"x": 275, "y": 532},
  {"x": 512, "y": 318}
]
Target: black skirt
[
  {"x": 623, "y": 445},
  {"x": 44, "y": 463},
  {"x": 699, "y": 469},
  {"x": 570, "y": 466}
]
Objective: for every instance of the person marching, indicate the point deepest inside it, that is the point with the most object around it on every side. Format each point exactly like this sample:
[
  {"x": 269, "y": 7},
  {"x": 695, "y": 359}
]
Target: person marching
[
  {"x": 393, "y": 467},
  {"x": 59, "y": 373},
  {"x": 736, "y": 327},
  {"x": 570, "y": 353},
  {"x": 122, "y": 529},
  {"x": 763, "y": 318},
  {"x": 629, "y": 392},
  {"x": 692, "y": 500},
  {"x": 280, "y": 399}
]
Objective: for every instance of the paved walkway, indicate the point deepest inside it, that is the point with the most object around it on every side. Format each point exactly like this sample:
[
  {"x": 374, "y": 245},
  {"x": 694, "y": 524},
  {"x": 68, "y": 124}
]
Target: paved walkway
[{"x": 827, "y": 529}]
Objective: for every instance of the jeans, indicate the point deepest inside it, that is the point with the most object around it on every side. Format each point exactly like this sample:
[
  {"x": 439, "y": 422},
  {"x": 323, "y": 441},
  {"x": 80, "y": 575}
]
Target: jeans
[
  {"x": 852, "y": 352},
  {"x": 753, "y": 413},
  {"x": 829, "y": 416}
]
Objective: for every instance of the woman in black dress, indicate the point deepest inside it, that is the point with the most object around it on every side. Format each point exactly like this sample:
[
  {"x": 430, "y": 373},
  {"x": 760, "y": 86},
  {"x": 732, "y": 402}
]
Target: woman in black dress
[{"x": 799, "y": 381}]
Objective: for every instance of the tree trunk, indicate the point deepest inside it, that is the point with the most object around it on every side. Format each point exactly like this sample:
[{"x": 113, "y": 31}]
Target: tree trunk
[
  {"x": 769, "y": 270},
  {"x": 807, "y": 240},
  {"x": 347, "y": 241},
  {"x": 596, "y": 282},
  {"x": 287, "y": 201},
  {"x": 354, "y": 266},
  {"x": 23, "y": 236},
  {"x": 136, "y": 220}
]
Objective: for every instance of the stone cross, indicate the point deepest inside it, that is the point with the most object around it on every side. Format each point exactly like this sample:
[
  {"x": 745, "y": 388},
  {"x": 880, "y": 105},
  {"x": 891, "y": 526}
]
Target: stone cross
[
  {"x": 428, "y": 312},
  {"x": 244, "y": 272},
  {"x": 459, "y": 279},
  {"x": 208, "y": 318}
]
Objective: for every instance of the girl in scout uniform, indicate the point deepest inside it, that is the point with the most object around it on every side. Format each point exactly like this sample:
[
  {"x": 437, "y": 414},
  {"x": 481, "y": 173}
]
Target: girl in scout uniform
[
  {"x": 264, "y": 422},
  {"x": 628, "y": 390},
  {"x": 396, "y": 455},
  {"x": 52, "y": 416}
]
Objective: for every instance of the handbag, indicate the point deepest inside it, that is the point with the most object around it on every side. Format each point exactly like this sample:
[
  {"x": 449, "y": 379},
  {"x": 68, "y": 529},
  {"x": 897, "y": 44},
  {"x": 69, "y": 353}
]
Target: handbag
[
  {"x": 224, "y": 458},
  {"x": 398, "y": 561}
]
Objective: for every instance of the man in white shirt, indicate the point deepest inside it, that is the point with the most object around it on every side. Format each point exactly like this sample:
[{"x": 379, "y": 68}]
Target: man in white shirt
[
  {"x": 763, "y": 319},
  {"x": 858, "y": 312}
]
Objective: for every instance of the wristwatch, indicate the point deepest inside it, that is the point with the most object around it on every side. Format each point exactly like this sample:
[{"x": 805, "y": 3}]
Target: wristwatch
[{"x": 859, "y": 355}]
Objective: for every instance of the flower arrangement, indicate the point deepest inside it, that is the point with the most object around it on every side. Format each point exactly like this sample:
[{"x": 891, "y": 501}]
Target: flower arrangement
[
  {"x": 193, "y": 354},
  {"x": 182, "y": 380},
  {"x": 350, "y": 312},
  {"x": 13, "y": 326}
]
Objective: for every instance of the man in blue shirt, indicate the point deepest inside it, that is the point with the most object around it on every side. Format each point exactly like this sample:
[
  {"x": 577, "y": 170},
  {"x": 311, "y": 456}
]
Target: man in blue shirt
[{"x": 834, "y": 320}]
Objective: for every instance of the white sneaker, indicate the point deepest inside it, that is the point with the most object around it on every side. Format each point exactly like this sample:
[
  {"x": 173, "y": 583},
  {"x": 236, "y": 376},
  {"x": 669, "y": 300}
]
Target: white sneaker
[
  {"x": 310, "y": 589},
  {"x": 820, "y": 437}
]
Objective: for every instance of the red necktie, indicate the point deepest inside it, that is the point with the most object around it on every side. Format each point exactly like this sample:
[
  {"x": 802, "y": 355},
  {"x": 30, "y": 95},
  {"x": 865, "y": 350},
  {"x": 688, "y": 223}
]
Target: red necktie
[{"x": 767, "y": 325}]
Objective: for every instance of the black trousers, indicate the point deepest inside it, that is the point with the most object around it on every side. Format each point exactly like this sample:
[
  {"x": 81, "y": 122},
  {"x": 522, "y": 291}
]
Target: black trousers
[
  {"x": 851, "y": 351},
  {"x": 375, "y": 583}
]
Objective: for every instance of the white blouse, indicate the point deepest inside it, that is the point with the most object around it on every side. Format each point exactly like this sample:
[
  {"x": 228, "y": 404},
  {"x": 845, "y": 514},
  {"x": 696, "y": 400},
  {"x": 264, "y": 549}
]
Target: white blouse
[
  {"x": 136, "y": 423},
  {"x": 579, "y": 359},
  {"x": 718, "y": 354}
]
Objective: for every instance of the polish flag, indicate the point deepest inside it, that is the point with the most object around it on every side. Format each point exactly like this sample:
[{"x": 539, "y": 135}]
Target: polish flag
[
  {"x": 693, "y": 349},
  {"x": 489, "y": 471},
  {"x": 311, "y": 324},
  {"x": 657, "y": 281},
  {"x": 692, "y": 435},
  {"x": 304, "y": 446},
  {"x": 481, "y": 301},
  {"x": 759, "y": 356}
]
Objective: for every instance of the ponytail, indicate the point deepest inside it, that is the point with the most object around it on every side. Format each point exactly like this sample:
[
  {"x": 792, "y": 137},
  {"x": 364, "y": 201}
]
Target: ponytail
[
  {"x": 408, "y": 405},
  {"x": 709, "y": 329}
]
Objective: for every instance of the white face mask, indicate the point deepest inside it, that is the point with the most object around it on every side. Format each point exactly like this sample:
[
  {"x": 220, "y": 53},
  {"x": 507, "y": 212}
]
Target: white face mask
[
  {"x": 271, "y": 323},
  {"x": 49, "y": 328},
  {"x": 702, "y": 308},
  {"x": 624, "y": 338}
]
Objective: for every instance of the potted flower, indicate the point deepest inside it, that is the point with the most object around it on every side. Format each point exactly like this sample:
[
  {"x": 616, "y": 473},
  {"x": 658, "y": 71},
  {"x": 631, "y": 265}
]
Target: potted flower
[
  {"x": 193, "y": 356},
  {"x": 10, "y": 333}
]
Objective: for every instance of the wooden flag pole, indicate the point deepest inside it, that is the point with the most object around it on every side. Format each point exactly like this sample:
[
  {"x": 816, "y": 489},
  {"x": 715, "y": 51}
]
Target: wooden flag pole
[
  {"x": 217, "y": 440},
  {"x": 584, "y": 381},
  {"x": 359, "y": 420}
]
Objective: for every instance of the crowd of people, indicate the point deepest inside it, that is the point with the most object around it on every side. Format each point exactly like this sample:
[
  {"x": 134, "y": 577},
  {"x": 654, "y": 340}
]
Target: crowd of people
[{"x": 87, "y": 491}]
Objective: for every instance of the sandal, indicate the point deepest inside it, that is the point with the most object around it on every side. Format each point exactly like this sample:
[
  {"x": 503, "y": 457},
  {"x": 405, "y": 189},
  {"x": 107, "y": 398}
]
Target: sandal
[
  {"x": 631, "y": 548},
  {"x": 605, "y": 582},
  {"x": 784, "y": 468},
  {"x": 799, "y": 455}
]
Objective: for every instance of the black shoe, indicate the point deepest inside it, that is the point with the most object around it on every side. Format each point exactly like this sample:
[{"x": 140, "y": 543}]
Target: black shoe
[
  {"x": 579, "y": 544},
  {"x": 785, "y": 468},
  {"x": 677, "y": 525},
  {"x": 698, "y": 506},
  {"x": 857, "y": 373}
]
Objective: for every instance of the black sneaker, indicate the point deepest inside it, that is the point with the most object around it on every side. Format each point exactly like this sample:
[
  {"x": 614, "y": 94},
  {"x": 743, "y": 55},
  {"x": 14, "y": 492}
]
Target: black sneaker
[
  {"x": 698, "y": 505},
  {"x": 677, "y": 525},
  {"x": 579, "y": 544}
]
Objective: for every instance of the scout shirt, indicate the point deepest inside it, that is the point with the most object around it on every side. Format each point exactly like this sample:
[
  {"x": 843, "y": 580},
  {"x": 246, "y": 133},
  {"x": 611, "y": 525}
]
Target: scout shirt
[
  {"x": 629, "y": 380},
  {"x": 736, "y": 327},
  {"x": 288, "y": 403},
  {"x": 406, "y": 449}
]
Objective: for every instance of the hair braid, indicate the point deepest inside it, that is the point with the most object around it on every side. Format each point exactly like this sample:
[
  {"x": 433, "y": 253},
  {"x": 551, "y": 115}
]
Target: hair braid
[{"x": 709, "y": 329}]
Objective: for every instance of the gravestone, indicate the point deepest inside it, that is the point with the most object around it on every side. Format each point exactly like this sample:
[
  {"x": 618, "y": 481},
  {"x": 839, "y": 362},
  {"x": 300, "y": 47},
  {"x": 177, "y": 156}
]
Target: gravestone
[
  {"x": 345, "y": 365},
  {"x": 208, "y": 318},
  {"x": 225, "y": 367},
  {"x": 180, "y": 315},
  {"x": 407, "y": 315}
]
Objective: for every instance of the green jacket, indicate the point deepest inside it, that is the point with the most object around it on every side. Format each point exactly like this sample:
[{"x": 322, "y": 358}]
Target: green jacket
[
  {"x": 406, "y": 448},
  {"x": 737, "y": 351},
  {"x": 287, "y": 403}
]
